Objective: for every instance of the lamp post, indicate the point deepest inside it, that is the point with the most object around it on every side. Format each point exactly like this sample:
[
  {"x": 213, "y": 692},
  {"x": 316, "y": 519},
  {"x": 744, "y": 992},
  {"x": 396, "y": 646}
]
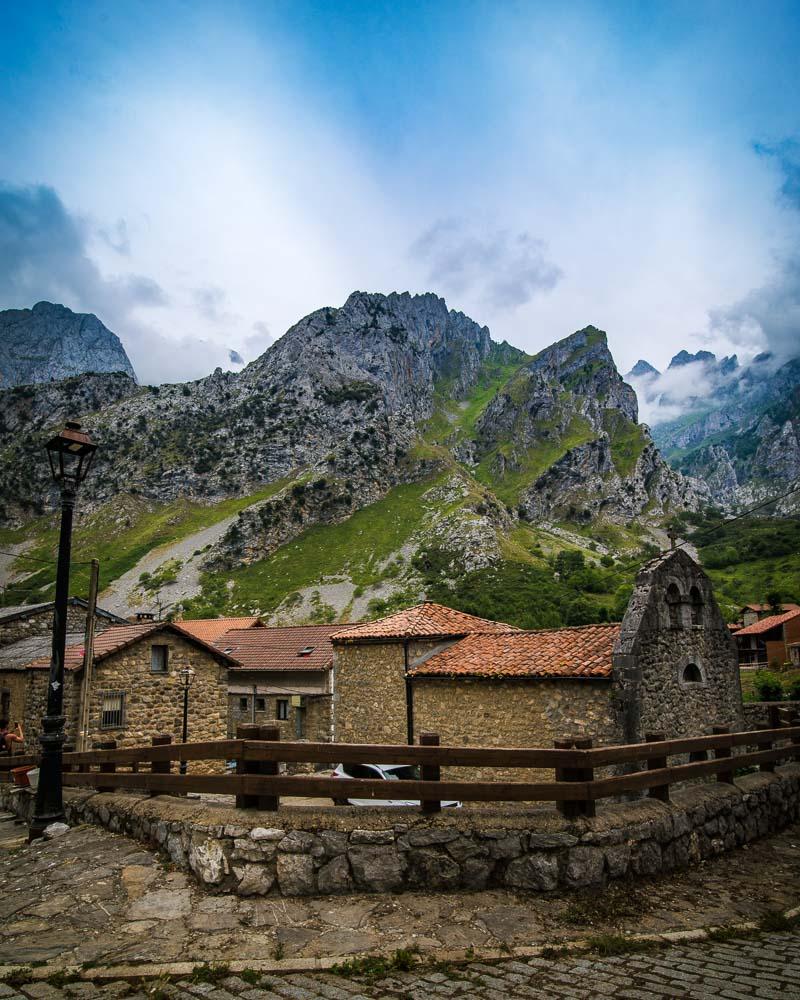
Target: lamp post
[
  {"x": 70, "y": 454},
  {"x": 186, "y": 675}
]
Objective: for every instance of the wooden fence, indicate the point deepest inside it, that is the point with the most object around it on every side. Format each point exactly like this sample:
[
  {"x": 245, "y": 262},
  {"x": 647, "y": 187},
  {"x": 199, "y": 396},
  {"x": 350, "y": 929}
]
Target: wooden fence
[{"x": 258, "y": 752}]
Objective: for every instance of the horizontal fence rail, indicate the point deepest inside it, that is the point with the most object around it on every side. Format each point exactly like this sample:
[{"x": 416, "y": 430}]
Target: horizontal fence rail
[{"x": 258, "y": 752}]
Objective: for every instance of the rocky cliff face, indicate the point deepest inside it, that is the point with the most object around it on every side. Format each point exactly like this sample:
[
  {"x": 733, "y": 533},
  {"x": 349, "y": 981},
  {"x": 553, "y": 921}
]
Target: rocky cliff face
[
  {"x": 565, "y": 427},
  {"x": 340, "y": 393},
  {"x": 384, "y": 394},
  {"x": 50, "y": 342},
  {"x": 747, "y": 448}
]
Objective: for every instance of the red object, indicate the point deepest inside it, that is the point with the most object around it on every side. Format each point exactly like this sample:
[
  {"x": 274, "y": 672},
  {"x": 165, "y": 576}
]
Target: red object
[{"x": 19, "y": 775}]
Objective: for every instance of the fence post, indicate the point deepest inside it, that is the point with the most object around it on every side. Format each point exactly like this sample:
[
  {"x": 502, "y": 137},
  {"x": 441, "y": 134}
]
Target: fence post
[
  {"x": 108, "y": 768},
  {"x": 583, "y": 807},
  {"x": 794, "y": 721},
  {"x": 567, "y": 808},
  {"x": 723, "y": 753},
  {"x": 68, "y": 748},
  {"x": 160, "y": 766},
  {"x": 774, "y": 717},
  {"x": 270, "y": 734},
  {"x": 660, "y": 792},
  {"x": 430, "y": 772},
  {"x": 247, "y": 731},
  {"x": 766, "y": 744}
]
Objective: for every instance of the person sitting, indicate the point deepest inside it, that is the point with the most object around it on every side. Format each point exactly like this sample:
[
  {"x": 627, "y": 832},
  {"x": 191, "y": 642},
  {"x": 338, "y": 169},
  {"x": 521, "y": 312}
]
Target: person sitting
[{"x": 8, "y": 737}]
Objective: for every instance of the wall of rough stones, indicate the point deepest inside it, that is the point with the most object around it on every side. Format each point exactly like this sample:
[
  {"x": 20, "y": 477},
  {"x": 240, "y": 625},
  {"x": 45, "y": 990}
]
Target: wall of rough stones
[
  {"x": 13, "y": 686},
  {"x": 370, "y": 690},
  {"x": 297, "y": 852},
  {"x": 662, "y": 633},
  {"x": 512, "y": 713},
  {"x": 41, "y": 623},
  {"x": 756, "y": 713},
  {"x": 153, "y": 702}
]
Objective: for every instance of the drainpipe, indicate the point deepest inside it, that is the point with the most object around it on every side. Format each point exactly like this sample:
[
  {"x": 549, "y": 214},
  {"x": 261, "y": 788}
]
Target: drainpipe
[
  {"x": 409, "y": 697},
  {"x": 253, "y": 708}
]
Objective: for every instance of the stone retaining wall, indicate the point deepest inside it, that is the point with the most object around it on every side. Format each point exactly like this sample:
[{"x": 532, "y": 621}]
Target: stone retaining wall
[
  {"x": 301, "y": 851},
  {"x": 756, "y": 713}
]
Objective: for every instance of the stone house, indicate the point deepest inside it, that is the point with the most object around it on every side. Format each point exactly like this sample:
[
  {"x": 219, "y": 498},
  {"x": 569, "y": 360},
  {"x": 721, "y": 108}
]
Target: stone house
[
  {"x": 770, "y": 642},
  {"x": 669, "y": 666},
  {"x": 752, "y": 613},
  {"x": 136, "y": 691},
  {"x": 26, "y": 635},
  {"x": 283, "y": 679}
]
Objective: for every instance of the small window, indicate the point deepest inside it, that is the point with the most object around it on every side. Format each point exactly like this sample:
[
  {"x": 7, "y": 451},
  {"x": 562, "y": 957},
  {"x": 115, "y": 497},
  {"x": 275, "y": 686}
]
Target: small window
[
  {"x": 261, "y": 704},
  {"x": 692, "y": 674},
  {"x": 159, "y": 659},
  {"x": 306, "y": 651},
  {"x": 674, "y": 605},
  {"x": 282, "y": 708},
  {"x": 696, "y": 602},
  {"x": 243, "y": 703},
  {"x": 112, "y": 713}
]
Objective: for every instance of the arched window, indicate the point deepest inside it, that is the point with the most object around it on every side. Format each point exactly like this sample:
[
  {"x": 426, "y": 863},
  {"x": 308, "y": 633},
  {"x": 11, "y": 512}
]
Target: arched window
[
  {"x": 696, "y": 602},
  {"x": 692, "y": 674},
  {"x": 674, "y": 605}
]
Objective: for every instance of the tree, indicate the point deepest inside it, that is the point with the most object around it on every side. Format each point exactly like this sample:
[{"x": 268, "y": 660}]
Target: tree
[{"x": 774, "y": 601}]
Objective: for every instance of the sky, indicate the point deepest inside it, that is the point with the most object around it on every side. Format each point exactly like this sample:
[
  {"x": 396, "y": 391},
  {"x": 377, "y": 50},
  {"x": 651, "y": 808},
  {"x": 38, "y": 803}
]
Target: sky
[{"x": 201, "y": 175}]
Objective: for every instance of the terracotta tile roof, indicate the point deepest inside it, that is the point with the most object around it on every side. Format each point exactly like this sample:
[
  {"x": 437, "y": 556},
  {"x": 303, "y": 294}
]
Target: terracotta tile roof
[
  {"x": 425, "y": 620},
  {"x": 210, "y": 629},
  {"x": 766, "y": 607},
  {"x": 767, "y": 623},
  {"x": 582, "y": 651},
  {"x": 119, "y": 636},
  {"x": 280, "y": 648}
]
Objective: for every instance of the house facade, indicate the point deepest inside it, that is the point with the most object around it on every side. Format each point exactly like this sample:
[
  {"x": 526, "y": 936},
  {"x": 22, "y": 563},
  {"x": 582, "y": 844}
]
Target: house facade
[
  {"x": 670, "y": 666},
  {"x": 771, "y": 642},
  {"x": 136, "y": 690},
  {"x": 26, "y": 635},
  {"x": 283, "y": 679}
]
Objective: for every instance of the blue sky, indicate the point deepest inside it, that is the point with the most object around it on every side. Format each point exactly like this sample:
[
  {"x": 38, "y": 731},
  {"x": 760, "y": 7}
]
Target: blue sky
[{"x": 201, "y": 175}]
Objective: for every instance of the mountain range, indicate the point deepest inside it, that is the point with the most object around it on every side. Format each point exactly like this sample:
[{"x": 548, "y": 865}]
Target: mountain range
[
  {"x": 738, "y": 428},
  {"x": 376, "y": 453}
]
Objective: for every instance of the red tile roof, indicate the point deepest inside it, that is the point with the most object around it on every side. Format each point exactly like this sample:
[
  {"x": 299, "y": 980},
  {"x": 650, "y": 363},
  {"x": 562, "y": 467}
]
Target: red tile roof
[
  {"x": 767, "y": 623},
  {"x": 582, "y": 651},
  {"x": 279, "y": 648},
  {"x": 118, "y": 637},
  {"x": 210, "y": 629},
  {"x": 767, "y": 607},
  {"x": 426, "y": 620}
]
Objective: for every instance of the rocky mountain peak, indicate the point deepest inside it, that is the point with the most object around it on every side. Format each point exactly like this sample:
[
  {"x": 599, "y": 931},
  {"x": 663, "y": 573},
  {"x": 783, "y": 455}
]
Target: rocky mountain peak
[
  {"x": 685, "y": 358},
  {"x": 51, "y": 342},
  {"x": 642, "y": 369}
]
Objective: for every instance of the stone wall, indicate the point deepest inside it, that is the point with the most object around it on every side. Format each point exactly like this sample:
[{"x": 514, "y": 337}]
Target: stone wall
[
  {"x": 36, "y": 705},
  {"x": 756, "y": 713},
  {"x": 303, "y": 852},
  {"x": 512, "y": 713},
  {"x": 40, "y": 622},
  {"x": 153, "y": 702},
  {"x": 675, "y": 664},
  {"x": 12, "y": 695},
  {"x": 370, "y": 689}
]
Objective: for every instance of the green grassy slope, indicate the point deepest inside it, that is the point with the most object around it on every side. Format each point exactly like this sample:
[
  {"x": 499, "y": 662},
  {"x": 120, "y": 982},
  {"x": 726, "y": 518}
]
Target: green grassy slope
[{"x": 119, "y": 534}]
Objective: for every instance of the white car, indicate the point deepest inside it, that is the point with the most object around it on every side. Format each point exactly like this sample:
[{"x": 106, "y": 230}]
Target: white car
[{"x": 384, "y": 772}]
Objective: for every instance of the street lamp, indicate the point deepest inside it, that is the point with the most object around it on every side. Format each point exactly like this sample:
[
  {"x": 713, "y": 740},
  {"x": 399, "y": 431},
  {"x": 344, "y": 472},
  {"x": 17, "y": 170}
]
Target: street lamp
[
  {"x": 70, "y": 454},
  {"x": 186, "y": 675}
]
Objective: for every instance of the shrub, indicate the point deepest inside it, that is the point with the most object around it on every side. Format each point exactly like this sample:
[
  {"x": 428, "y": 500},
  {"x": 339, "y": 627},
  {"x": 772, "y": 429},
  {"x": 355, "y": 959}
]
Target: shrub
[
  {"x": 793, "y": 689},
  {"x": 767, "y": 686}
]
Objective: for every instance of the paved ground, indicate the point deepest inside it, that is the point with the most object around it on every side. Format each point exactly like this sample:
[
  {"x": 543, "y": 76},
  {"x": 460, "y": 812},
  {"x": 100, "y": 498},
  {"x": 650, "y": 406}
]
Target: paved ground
[{"x": 95, "y": 899}]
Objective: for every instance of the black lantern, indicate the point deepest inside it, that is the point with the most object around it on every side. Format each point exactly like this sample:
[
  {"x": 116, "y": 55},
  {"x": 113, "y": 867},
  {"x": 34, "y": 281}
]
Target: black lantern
[{"x": 70, "y": 453}]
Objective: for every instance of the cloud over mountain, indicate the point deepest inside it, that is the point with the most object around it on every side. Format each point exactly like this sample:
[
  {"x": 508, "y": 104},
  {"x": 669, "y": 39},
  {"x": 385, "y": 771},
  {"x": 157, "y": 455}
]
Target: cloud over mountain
[{"x": 503, "y": 268}]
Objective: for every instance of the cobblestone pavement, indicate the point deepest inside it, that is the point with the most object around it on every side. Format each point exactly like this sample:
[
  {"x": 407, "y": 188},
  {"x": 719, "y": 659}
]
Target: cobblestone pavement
[
  {"x": 748, "y": 969},
  {"x": 93, "y": 898}
]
